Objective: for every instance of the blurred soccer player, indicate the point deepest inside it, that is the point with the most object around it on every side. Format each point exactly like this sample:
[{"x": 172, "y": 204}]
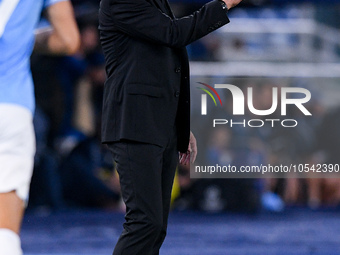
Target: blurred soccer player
[
  {"x": 18, "y": 19},
  {"x": 146, "y": 109}
]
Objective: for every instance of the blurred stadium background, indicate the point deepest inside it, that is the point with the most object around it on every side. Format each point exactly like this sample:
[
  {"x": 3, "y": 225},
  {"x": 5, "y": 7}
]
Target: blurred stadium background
[{"x": 75, "y": 205}]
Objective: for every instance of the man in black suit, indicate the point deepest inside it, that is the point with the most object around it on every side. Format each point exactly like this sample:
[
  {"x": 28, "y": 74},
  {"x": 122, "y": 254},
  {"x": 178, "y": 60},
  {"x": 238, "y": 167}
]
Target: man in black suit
[{"x": 146, "y": 108}]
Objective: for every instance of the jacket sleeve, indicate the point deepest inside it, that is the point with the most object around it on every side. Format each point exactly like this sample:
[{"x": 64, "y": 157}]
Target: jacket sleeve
[{"x": 142, "y": 20}]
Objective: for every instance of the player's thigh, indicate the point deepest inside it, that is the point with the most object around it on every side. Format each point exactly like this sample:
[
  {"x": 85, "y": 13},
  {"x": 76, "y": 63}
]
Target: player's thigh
[{"x": 11, "y": 211}]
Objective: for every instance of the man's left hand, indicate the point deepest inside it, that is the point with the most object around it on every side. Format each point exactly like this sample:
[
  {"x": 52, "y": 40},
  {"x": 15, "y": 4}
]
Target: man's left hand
[{"x": 190, "y": 155}]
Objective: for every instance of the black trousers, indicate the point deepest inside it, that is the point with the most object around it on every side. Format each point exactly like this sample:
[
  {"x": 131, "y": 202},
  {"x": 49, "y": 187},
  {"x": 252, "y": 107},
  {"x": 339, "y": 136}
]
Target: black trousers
[{"x": 146, "y": 174}]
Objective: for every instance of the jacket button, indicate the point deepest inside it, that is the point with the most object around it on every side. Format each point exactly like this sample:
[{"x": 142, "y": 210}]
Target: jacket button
[
  {"x": 178, "y": 70},
  {"x": 210, "y": 29},
  {"x": 177, "y": 94}
]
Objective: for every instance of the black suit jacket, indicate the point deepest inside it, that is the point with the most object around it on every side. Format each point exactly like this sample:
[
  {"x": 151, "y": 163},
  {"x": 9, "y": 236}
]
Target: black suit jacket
[{"x": 147, "y": 88}]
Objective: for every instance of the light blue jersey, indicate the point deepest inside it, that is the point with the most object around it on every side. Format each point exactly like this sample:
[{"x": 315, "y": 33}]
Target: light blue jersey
[{"x": 18, "y": 19}]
